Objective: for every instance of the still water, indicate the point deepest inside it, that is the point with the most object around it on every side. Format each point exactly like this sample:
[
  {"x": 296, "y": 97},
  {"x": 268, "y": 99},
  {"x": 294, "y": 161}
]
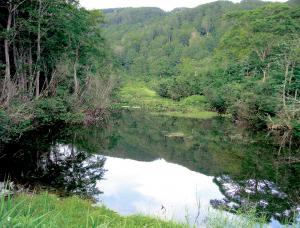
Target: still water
[
  {"x": 156, "y": 188},
  {"x": 169, "y": 167}
]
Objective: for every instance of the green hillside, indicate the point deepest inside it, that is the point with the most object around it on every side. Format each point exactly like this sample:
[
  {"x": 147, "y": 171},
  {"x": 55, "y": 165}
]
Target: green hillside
[{"x": 243, "y": 57}]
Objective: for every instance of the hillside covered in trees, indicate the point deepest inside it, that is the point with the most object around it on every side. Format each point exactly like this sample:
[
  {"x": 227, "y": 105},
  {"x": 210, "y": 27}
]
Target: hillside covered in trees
[
  {"x": 56, "y": 61},
  {"x": 244, "y": 57},
  {"x": 55, "y": 65},
  {"x": 204, "y": 97}
]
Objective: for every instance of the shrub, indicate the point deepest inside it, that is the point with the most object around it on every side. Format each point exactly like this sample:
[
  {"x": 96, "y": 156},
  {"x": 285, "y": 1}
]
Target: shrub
[
  {"x": 296, "y": 129},
  {"x": 4, "y": 126},
  {"x": 163, "y": 88},
  {"x": 56, "y": 109}
]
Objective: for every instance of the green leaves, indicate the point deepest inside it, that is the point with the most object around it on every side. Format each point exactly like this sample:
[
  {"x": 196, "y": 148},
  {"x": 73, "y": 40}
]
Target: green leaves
[{"x": 56, "y": 110}]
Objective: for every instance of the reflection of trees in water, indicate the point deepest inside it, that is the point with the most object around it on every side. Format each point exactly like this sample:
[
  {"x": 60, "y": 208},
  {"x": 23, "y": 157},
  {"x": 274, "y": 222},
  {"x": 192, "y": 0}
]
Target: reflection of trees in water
[
  {"x": 38, "y": 162},
  {"x": 214, "y": 147},
  {"x": 62, "y": 159},
  {"x": 71, "y": 170},
  {"x": 263, "y": 195}
]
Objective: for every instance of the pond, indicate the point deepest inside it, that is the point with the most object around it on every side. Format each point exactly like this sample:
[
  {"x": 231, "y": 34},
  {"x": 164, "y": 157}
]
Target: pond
[{"x": 164, "y": 166}]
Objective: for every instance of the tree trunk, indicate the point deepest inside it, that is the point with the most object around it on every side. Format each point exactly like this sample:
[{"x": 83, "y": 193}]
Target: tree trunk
[
  {"x": 294, "y": 112},
  {"x": 292, "y": 73},
  {"x": 287, "y": 65},
  {"x": 30, "y": 77},
  {"x": 266, "y": 72},
  {"x": 76, "y": 85},
  {"x": 7, "y": 79},
  {"x": 38, "y": 54},
  {"x": 265, "y": 75},
  {"x": 30, "y": 63},
  {"x": 15, "y": 52}
]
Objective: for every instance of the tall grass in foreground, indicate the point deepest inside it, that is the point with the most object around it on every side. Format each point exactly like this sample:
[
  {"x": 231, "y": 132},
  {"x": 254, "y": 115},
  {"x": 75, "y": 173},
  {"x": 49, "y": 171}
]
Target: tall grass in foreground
[
  {"x": 223, "y": 219},
  {"x": 244, "y": 219},
  {"x": 46, "y": 210}
]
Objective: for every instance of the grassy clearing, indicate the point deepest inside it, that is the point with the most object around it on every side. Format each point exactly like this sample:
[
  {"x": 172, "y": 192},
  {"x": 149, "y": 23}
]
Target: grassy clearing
[
  {"x": 47, "y": 210},
  {"x": 137, "y": 94}
]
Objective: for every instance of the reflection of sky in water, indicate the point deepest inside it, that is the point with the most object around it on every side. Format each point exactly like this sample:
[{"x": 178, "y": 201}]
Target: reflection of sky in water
[
  {"x": 143, "y": 187},
  {"x": 132, "y": 187}
]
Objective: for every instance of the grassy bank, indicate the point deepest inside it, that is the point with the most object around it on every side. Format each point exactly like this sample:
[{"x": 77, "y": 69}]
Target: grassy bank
[
  {"x": 137, "y": 95},
  {"x": 47, "y": 210}
]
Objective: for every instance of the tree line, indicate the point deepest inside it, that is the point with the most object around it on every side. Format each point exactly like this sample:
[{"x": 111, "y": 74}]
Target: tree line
[
  {"x": 55, "y": 64},
  {"x": 244, "y": 58}
]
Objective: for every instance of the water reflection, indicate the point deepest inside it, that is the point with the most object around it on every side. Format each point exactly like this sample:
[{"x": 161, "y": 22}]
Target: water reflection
[
  {"x": 159, "y": 164},
  {"x": 59, "y": 167},
  {"x": 264, "y": 195},
  {"x": 72, "y": 170},
  {"x": 157, "y": 188},
  {"x": 213, "y": 148}
]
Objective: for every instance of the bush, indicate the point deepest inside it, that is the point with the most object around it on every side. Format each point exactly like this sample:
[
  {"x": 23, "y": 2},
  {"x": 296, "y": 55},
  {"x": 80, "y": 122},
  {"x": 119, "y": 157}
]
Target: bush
[
  {"x": 163, "y": 88},
  {"x": 254, "y": 109},
  {"x": 194, "y": 100},
  {"x": 56, "y": 109},
  {"x": 178, "y": 87},
  {"x": 216, "y": 98},
  {"x": 296, "y": 129},
  {"x": 218, "y": 103},
  {"x": 4, "y": 126},
  {"x": 13, "y": 123}
]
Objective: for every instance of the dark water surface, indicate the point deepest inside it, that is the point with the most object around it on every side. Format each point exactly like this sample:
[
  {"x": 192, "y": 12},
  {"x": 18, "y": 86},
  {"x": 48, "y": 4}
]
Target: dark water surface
[{"x": 170, "y": 167}]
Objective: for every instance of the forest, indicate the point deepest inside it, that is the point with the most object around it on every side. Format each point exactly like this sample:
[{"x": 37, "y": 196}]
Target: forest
[
  {"x": 55, "y": 65},
  {"x": 243, "y": 58},
  {"x": 101, "y": 108},
  {"x": 58, "y": 60}
]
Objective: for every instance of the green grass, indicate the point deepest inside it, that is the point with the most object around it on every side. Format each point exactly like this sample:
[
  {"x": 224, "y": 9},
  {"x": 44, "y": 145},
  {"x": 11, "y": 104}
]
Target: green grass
[
  {"x": 46, "y": 210},
  {"x": 138, "y": 94},
  {"x": 189, "y": 114}
]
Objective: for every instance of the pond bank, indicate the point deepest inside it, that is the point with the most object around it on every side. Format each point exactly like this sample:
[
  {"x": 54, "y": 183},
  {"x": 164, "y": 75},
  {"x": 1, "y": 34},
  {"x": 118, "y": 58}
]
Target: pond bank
[
  {"x": 47, "y": 210},
  {"x": 167, "y": 147},
  {"x": 138, "y": 95}
]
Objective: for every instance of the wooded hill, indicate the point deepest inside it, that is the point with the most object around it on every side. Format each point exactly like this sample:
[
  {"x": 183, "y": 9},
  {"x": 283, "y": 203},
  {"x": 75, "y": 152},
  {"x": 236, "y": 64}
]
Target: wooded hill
[
  {"x": 244, "y": 57},
  {"x": 55, "y": 64}
]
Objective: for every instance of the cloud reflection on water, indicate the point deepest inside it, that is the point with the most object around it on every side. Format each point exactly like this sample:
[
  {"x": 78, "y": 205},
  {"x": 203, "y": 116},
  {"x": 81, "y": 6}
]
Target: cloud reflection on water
[{"x": 157, "y": 188}]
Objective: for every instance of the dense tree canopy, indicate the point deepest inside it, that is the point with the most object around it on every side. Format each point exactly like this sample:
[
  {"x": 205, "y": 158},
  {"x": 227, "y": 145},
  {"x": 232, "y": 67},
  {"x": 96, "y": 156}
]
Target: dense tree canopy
[
  {"x": 52, "y": 56},
  {"x": 243, "y": 57}
]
